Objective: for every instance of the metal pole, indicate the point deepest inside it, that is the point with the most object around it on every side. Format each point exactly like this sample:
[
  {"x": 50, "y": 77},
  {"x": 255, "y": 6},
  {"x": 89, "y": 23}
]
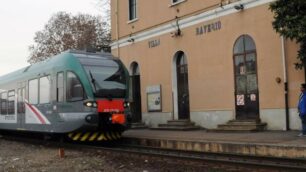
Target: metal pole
[
  {"x": 285, "y": 83},
  {"x": 117, "y": 28}
]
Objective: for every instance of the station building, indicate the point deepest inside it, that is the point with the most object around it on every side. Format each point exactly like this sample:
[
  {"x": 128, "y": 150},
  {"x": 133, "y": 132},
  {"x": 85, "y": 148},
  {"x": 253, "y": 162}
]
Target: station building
[{"x": 207, "y": 61}]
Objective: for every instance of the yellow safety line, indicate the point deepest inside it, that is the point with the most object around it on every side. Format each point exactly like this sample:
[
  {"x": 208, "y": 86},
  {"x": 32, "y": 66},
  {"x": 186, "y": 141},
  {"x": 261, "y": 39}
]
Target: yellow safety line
[
  {"x": 93, "y": 137},
  {"x": 102, "y": 137},
  {"x": 118, "y": 135},
  {"x": 70, "y": 135},
  {"x": 85, "y": 136},
  {"x": 76, "y": 137},
  {"x": 110, "y": 138},
  {"x": 114, "y": 135},
  {"x": 96, "y": 135}
]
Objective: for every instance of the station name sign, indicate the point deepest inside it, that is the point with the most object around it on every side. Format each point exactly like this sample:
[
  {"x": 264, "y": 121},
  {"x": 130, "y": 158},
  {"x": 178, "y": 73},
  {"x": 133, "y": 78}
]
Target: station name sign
[
  {"x": 207, "y": 28},
  {"x": 154, "y": 43}
]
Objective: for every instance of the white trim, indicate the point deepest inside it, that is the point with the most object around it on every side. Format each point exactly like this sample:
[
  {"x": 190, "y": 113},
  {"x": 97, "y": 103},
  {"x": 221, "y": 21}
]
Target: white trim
[
  {"x": 284, "y": 59},
  {"x": 176, "y": 3},
  {"x": 174, "y": 83},
  {"x": 132, "y": 21},
  {"x": 32, "y": 118},
  {"x": 42, "y": 115},
  {"x": 174, "y": 86},
  {"x": 187, "y": 22}
]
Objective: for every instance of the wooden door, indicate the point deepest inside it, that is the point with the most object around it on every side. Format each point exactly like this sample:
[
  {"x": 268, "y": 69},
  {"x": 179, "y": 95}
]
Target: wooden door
[
  {"x": 182, "y": 87},
  {"x": 246, "y": 85}
]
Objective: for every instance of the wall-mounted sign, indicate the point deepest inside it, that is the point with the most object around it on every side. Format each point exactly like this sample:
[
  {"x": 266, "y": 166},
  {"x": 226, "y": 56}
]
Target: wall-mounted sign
[
  {"x": 154, "y": 43},
  {"x": 207, "y": 28},
  {"x": 242, "y": 70},
  {"x": 240, "y": 100},
  {"x": 253, "y": 97},
  {"x": 154, "y": 101}
]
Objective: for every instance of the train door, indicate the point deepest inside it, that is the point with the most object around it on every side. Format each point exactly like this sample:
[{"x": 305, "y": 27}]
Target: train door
[
  {"x": 60, "y": 92},
  {"x": 246, "y": 87},
  {"x": 21, "y": 106}
]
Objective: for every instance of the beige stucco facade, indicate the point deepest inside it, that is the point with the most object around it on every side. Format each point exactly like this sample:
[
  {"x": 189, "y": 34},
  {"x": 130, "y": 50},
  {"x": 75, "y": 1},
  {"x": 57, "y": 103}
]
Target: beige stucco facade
[{"x": 209, "y": 57}]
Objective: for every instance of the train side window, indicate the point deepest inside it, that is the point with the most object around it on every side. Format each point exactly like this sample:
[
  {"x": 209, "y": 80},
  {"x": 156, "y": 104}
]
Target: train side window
[
  {"x": 75, "y": 90},
  {"x": 33, "y": 91},
  {"x": 11, "y": 102},
  {"x": 60, "y": 87},
  {"x": 3, "y": 103},
  {"x": 44, "y": 89}
]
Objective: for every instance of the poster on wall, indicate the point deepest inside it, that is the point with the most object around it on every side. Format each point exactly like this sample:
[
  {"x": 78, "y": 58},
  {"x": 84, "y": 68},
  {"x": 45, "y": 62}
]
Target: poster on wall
[
  {"x": 154, "y": 98},
  {"x": 253, "y": 97},
  {"x": 240, "y": 100}
]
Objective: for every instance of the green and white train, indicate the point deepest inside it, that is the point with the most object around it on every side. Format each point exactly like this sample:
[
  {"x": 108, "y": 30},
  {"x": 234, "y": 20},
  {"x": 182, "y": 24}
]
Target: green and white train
[{"x": 79, "y": 94}]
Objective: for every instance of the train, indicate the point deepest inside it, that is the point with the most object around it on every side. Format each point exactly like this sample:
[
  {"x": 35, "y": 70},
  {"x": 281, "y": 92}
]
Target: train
[{"x": 77, "y": 94}]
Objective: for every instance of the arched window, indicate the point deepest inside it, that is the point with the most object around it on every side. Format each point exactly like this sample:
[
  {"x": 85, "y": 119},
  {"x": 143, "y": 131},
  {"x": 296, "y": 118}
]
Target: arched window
[
  {"x": 245, "y": 64},
  {"x": 244, "y": 44},
  {"x": 182, "y": 63},
  {"x": 135, "y": 68}
]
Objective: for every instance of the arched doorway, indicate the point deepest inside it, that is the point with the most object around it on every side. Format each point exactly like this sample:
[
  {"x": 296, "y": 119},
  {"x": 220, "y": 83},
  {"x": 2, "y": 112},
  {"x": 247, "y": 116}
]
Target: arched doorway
[
  {"x": 136, "y": 93},
  {"x": 246, "y": 87},
  {"x": 182, "y": 86}
]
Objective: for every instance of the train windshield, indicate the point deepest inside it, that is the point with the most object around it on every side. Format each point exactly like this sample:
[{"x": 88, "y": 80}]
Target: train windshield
[{"x": 107, "y": 77}]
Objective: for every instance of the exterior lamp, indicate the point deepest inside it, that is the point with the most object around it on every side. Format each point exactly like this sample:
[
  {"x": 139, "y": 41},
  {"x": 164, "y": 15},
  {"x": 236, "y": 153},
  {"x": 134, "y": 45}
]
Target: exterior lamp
[
  {"x": 239, "y": 7},
  {"x": 131, "y": 40}
]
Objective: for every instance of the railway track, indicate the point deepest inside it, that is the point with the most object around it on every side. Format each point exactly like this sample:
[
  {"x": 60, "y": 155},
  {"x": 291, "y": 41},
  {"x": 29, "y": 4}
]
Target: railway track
[
  {"x": 251, "y": 162},
  {"x": 282, "y": 164}
]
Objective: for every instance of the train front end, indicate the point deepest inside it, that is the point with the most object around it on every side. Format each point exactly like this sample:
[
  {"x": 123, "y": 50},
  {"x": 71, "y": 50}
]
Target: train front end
[{"x": 107, "y": 100}]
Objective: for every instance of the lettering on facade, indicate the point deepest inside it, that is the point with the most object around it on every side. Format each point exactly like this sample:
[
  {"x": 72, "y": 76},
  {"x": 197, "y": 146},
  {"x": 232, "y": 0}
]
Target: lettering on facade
[
  {"x": 204, "y": 29},
  {"x": 9, "y": 117},
  {"x": 154, "y": 43}
]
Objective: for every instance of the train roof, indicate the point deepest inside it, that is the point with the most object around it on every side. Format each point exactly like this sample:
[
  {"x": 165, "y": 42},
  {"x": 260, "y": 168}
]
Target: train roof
[{"x": 59, "y": 61}]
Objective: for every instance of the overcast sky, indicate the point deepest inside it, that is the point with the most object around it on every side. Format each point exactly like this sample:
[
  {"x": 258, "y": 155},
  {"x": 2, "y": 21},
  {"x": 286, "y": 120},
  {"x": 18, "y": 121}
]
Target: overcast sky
[{"x": 20, "y": 19}]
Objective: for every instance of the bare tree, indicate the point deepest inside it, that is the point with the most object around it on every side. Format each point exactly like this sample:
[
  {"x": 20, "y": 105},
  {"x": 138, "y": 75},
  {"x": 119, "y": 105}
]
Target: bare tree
[
  {"x": 65, "y": 31},
  {"x": 104, "y": 7}
]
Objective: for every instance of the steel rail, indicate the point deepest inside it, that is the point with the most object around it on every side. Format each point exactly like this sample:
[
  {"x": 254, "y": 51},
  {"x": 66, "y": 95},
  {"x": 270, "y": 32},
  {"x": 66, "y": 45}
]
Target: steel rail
[
  {"x": 283, "y": 164},
  {"x": 245, "y": 160}
]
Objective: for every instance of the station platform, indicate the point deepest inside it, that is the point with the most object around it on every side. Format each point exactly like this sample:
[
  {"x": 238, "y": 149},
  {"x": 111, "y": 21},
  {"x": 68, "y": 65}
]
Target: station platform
[{"x": 282, "y": 144}]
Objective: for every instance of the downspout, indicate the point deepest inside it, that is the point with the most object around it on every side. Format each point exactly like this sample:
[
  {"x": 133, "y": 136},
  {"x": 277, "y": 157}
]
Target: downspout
[
  {"x": 117, "y": 28},
  {"x": 285, "y": 82}
]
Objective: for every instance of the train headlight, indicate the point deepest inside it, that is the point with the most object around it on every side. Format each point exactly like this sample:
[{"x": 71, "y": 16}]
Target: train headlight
[
  {"x": 94, "y": 105},
  {"x": 126, "y": 104},
  {"x": 90, "y": 104}
]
